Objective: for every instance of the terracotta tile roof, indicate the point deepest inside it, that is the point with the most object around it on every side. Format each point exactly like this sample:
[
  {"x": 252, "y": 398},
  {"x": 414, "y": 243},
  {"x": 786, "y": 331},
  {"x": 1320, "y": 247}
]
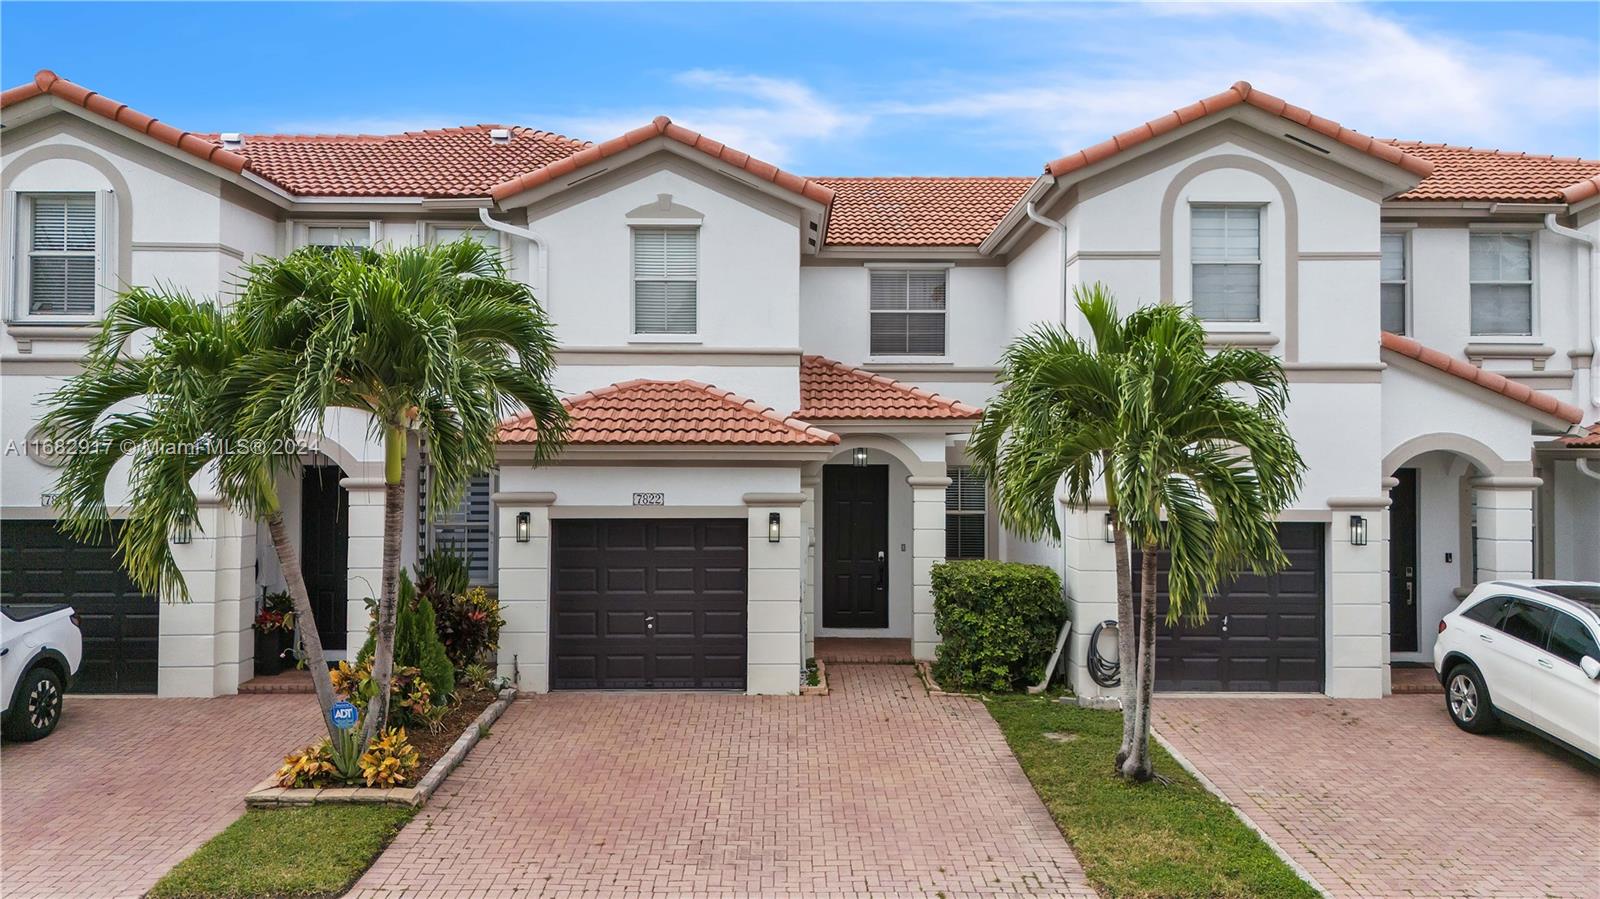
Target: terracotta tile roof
[
  {"x": 661, "y": 126},
  {"x": 444, "y": 162},
  {"x": 833, "y": 390},
  {"x": 918, "y": 212},
  {"x": 1468, "y": 173},
  {"x": 1588, "y": 439},
  {"x": 672, "y": 412},
  {"x": 1466, "y": 371},
  {"x": 47, "y": 82},
  {"x": 1240, "y": 92}
]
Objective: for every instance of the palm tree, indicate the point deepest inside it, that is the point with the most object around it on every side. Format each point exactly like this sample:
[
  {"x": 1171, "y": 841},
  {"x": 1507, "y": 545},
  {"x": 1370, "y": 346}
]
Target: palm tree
[
  {"x": 1205, "y": 465},
  {"x": 167, "y": 412},
  {"x": 436, "y": 340}
]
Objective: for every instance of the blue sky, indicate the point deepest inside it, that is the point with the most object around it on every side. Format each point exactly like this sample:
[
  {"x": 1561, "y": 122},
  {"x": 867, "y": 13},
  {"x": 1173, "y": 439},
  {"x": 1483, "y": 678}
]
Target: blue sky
[{"x": 832, "y": 89}]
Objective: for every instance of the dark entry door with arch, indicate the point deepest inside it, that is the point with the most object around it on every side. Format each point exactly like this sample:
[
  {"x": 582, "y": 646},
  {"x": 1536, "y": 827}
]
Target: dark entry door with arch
[
  {"x": 1403, "y": 562},
  {"x": 324, "y": 550},
  {"x": 855, "y": 546}
]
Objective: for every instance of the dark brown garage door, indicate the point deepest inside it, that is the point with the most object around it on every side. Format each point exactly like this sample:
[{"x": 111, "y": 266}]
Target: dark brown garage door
[
  {"x": 1263, "y": 633},
  {"x": 121, "y": 627},
  {"x": 648, "y": 604}
]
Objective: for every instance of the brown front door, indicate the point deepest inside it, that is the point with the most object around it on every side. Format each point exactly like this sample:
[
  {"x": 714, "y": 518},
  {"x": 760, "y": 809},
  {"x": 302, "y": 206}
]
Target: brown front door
[{"x": 855, "y": 546}]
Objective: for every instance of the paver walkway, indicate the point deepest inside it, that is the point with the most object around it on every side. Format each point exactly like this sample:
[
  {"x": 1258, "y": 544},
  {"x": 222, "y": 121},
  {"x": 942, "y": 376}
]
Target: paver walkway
[
  {"x": 877, "y": 789},
  {"x": 127, "y": 787},
  {"x": 1387, "y": 798}
]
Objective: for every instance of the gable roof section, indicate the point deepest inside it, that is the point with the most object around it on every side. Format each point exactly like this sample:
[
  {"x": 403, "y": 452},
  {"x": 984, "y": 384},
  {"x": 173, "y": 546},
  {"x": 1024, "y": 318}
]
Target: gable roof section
[
  {"x": 832, "y": 390},
  {"x": 1240, "y": 93},
  {"x": 918, "y": 212},
  {"x": 1469, "y": 173},
  {"x": 1466, "y": 371},
  {"x": 662, "y": 126},
  {"x": 202, "y": 147},
  {"x": 671, "y": 413}
]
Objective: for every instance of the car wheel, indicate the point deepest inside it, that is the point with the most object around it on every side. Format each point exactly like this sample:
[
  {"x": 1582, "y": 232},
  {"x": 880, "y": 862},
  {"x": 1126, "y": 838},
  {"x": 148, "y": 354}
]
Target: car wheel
[
  {"x": 37, "y": 709},
  {"x": 1467, "y": 699}
]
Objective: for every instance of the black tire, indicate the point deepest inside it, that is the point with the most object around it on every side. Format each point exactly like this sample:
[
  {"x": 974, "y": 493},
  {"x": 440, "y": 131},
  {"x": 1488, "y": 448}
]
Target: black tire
[
  {"x": 1466, "y": 698},
  {"x": 36, "y": 709}
]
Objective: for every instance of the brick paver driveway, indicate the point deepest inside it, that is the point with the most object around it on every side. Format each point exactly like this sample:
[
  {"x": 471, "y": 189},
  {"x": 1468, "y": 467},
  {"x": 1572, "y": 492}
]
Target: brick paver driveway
[
  {"x": 126, "y": 788},
  {"x": 1387, "y": 798},
  {"x": 876, "y": 789}
]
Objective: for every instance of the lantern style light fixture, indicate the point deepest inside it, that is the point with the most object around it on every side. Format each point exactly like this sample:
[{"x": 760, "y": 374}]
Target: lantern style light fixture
[
  {"x": 773, "y": 531},
  {"x": 1358, "y": 531},
  {"x": 1111, "y": 530},
  {"x": 858, "y": 457},
  {"x": 524, "y": 527},
  {"x": 181, "y": 534}
]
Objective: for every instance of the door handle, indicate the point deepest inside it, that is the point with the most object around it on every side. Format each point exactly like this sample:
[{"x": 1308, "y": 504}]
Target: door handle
[
  {"x": 1224, "y": 624},
  {"x": 1546, "y": 663},
  {"x": 1486, "y": 638},
  {"x": 650, "y": 622},
  {"x": 881, "y": 567}
]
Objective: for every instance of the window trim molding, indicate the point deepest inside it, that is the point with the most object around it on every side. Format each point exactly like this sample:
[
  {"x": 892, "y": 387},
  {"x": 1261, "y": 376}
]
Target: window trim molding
[
  {"x": 20, "y": 203},
  {"x": 634, "y": 334},
  {"x": 1533, "y": 336},
  {"x": 1405, "y": 248}
]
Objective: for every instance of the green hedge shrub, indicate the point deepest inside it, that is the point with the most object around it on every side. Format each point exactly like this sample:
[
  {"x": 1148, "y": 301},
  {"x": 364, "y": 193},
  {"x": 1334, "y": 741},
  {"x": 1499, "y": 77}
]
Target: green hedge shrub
[
  {"x": 999, "y": 622},
  {"x": 416, "y": 642}
]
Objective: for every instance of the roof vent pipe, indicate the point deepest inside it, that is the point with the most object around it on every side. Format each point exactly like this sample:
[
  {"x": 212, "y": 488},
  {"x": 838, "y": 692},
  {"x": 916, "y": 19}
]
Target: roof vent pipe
[
  {"x": 1553, "y": 226},
  {"x": 232, "y": 140}
]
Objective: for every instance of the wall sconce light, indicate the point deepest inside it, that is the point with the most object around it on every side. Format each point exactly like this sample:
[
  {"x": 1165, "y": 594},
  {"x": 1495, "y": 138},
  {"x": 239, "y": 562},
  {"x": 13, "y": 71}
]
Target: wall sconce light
[
  {"x": 1358, "y": 531},
  {"x": 858, "y": 457},
  {"x": 524, "y": 527},
  {"x": 181, "y": 534},
  {"x": 1111, "y": 530},
  {"x": 772, "y": 527}
]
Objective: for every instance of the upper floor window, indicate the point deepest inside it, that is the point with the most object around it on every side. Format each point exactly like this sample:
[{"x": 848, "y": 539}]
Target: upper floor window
[
  {"x": 59, "y": 275},
  {"x": 965, "y": 515},
  {"x": 908, "y": 312},
  {"x": 332, "y": 237},
  {"x": 1394, "y": 277},
  {"x": 1225, "y": 252},
  {"x": 452, "y": 233},
  {"x": 666, "y": 270},
  {"x": 1502, "y": 284}
]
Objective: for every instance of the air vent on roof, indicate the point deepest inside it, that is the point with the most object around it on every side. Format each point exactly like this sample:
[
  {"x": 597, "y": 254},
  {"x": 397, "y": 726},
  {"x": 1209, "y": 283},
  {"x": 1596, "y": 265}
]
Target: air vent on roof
[
  {"x": 500, "y": 135},
  {"x": 232, "y": 140}
]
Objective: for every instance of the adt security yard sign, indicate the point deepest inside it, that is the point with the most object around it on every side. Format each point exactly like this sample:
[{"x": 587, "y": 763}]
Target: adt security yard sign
[{"x": 343, "y": 715}]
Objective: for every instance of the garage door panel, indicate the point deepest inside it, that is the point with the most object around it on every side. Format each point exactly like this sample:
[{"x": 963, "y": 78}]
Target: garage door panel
[
  {"x": 577, "y": 580},
  {"x": 668, "y": 609}
]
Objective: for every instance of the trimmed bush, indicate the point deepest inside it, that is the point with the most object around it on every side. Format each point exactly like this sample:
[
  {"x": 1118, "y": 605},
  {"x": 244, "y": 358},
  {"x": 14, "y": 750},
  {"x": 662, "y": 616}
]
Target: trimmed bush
[
  {"x": 416, "y": 642},
  {"x": 999, "y": 622}
]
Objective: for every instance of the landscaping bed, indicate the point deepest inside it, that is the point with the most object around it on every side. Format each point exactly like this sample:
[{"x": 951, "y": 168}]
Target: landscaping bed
[{"x": 1156, "y": 839}]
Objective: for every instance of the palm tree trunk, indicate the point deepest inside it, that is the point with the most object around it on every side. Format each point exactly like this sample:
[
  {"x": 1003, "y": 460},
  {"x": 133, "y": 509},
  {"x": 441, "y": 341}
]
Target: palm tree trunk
[
  {"x": 1138, "y": 766},
  {"x": 1127, "y": 653},
  {"x": 289, "y": 563},
  {"x": 394, "y": 504}
]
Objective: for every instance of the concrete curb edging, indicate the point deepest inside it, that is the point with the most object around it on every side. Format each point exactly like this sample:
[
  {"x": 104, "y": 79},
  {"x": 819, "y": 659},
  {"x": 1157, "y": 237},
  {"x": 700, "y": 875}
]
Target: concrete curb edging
[
  {"x": 267, "y": 794},
  {"x": 1205, "y": 781},
  {"x": 821, "y": 688},
  {"x": 925, "y": 671}
]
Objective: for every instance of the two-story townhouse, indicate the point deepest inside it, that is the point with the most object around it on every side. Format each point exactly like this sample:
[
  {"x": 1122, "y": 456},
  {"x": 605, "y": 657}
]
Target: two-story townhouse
[{"x": 772, "y": 378}]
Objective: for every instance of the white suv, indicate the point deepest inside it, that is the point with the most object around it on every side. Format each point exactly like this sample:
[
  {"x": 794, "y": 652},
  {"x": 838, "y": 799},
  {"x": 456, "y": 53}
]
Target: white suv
[
  {"x": 41, "y": 648},
  {"x": 1525, "y": 653}
]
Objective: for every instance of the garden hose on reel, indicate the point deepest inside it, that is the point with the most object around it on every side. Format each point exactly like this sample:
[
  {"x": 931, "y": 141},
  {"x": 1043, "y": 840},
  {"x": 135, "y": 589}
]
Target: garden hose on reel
[{"x": 1102, "y": 672}]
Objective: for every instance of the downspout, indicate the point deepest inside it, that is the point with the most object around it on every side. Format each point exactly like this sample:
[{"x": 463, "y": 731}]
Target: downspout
[
  {"x": 1554, "y": 227},
  {"x": 1061, "y": 232},
  {"x": 538, "y": 250}
]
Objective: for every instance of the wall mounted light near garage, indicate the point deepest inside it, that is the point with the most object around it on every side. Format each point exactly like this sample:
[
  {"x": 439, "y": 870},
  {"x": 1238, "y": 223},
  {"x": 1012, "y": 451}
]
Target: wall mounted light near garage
[
  {"x": 1358, "y": 531},
  {"x": 1111, "y": 530},
  {"x": 181, "y": 534},
  {"x": 773, "y": 520},
  {"x": 858, "y": 457},
  {"x": 524, "y": 527}
]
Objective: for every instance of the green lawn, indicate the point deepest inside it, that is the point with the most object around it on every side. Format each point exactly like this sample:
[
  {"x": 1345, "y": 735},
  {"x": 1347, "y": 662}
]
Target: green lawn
[
  {"x": 316, "y": 850},
  {"x": 1148, "y": 840}
]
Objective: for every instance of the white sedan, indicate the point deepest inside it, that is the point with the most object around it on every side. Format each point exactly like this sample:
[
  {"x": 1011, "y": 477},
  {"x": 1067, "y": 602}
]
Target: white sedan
[{"x": 1525, "y": 653}]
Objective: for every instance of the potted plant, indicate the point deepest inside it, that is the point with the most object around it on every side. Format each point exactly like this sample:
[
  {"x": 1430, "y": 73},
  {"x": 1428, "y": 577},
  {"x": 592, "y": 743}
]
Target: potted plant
[{"x": 274, "y": 632}]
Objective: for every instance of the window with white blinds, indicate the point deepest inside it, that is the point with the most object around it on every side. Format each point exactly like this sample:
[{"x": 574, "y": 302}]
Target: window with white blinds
[
  {"x": 908, "y": 312},
  {"x": 1501, "y": 272},
  {"x": 1225, "y": 252},
  {"x": 453, "y": 233},
  {"x": 1394, "y": 274},
  {"x": 666, "y": 269},
  {"x": 334, "y": 236},
  {"x": 965, "y": 515},
  {"x": 467, "y": 529},
  {"x": 63, "y": 267}
]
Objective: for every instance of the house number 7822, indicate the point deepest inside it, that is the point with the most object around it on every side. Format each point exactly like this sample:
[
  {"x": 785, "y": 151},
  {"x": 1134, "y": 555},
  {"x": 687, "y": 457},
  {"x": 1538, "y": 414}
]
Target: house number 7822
[{"x": 649, "y": 499}]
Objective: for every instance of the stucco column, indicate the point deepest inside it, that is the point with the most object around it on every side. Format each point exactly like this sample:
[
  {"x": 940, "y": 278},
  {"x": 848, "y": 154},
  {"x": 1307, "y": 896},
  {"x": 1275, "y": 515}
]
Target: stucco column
[
  {"x": 523, "y": 580},
  {"x": 808, "y": 580},
  {"x": 774, "y": 617},
  {"x": 207, "y": 644},
  {"x": 1357, "y": 662},
  {"x": 927, "y": 550},
  {"x": 1091, "y": 588},
  {"x": 364, "y": 560},
  {"x": 1505, "y": 526}
]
